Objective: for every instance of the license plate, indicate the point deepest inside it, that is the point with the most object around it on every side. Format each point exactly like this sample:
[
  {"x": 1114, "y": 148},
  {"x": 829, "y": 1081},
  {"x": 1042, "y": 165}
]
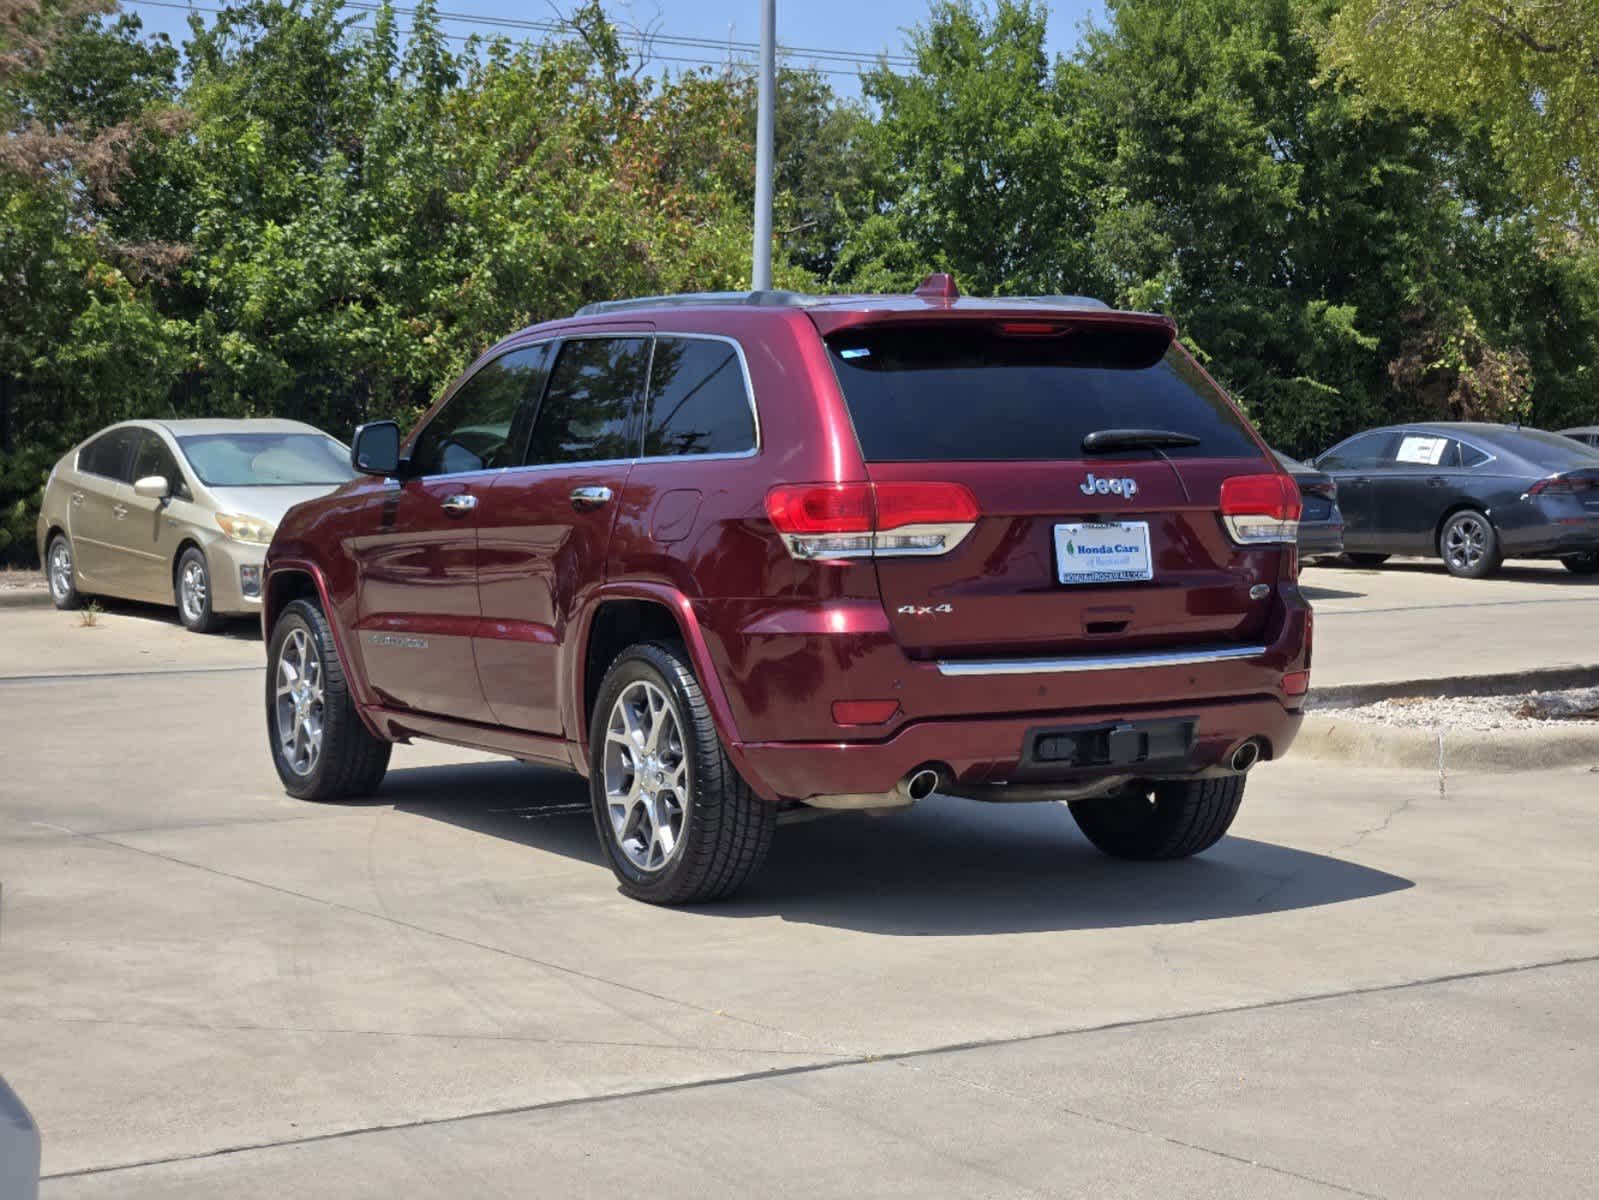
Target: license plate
[{"x": 1117, "y": 552}]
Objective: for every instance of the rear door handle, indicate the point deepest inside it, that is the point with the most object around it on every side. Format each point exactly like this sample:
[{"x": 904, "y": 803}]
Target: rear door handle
[
  {"x": 590, "y": 497},
  {"x": 460, "y": 504},
  {"x": 77, "y": 499},
  {"x": 1437, "y": 481}
]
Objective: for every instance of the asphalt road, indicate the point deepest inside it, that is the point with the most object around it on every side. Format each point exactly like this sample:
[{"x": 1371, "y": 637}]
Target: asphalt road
[{"x": 1381, "y": 985}]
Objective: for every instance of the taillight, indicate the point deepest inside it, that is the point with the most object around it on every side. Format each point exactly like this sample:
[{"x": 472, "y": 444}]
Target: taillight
[
  {"x": 859, "y": 520},
  {"x": 1563, "y": 485},
  {"x": 1261, "y": 509}
]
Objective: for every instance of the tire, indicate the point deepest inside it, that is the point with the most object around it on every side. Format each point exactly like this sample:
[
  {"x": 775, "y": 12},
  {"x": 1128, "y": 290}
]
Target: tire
[
  {"x": 347, "y": 761},
  {"x": 1469, "y": 545},
  {"x": 719, "y": 830},
  {"x": 1366, "y": 560},
  {"x": 62, "y": 576},
  {"x": 1582, "y": 564},
  {"x": 1170, "y": 819},
  {"x": 191, "y": 590}
]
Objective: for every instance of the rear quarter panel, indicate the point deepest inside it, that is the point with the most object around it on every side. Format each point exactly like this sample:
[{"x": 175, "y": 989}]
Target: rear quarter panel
[{"x": 698, "y": 527}]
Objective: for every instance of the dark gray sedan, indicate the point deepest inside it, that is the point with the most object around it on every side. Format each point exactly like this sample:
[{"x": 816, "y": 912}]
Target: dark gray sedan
[
  {"x": 1471, "y": 494},
  {"x": 1321, "y": 525}
]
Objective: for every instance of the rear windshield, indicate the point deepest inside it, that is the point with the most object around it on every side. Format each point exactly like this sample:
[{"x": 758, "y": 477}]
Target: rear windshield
[
  {"x": 266, "y": 459},
  {"x": 950, "y": 393}
]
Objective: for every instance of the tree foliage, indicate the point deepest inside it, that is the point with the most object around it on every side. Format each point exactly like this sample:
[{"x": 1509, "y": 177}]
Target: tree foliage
[
  {"x": 1527, "y": 69},
  {"x": 304, "y": 212}
]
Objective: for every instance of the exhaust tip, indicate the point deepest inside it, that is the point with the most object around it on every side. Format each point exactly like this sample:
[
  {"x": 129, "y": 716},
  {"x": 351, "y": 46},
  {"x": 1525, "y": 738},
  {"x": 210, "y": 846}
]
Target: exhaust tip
[
  {"x": 1246, "y": 756},
  {"x": 921, "y": 784}
]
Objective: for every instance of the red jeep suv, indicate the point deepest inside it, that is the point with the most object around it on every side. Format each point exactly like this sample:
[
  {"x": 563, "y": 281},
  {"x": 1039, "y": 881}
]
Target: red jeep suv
[{"x": 731, "y": 554}]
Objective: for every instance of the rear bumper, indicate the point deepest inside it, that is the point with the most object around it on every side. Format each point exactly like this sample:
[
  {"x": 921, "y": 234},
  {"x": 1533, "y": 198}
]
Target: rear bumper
[
  {"x": 1325, "y": 539},
  {"x": 982, "y": 752},
  {"x": 1578, "y": 537}
]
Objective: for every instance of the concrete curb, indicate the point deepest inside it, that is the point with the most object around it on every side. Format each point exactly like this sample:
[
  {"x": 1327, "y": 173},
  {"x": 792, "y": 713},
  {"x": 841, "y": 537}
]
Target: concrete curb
[
  {"x": 38, "y": 597},
  {"x": 1539, "y": 679},
  {"x": 1339, "y": 739}
]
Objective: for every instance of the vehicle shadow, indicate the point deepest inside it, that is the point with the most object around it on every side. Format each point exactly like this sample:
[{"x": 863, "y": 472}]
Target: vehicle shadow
[
  {"x": 1313, "y": 593},
  {"x": 242, "y": 629},
  {"x": 947, "y": 867}
]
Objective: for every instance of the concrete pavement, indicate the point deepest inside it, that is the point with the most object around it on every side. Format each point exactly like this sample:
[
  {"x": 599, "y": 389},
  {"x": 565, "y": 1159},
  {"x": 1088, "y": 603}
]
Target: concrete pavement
[
  {"x": 1410, "y": 620},
  {"x": 208, "y": 988},
  {"x": 1449, "y": 1089}
]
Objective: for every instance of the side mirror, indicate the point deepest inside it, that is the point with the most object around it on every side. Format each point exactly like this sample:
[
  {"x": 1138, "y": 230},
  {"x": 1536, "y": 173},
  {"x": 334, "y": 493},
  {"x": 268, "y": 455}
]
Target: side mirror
[
  {"x": 375, "y": 450},
  {"x": 152, "y": 487}
]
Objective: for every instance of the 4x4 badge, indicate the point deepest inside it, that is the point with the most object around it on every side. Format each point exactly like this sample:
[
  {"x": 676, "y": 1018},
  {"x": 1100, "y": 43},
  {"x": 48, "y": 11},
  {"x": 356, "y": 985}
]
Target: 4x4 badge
[
  {"x": 1123, "y": 487},
  {"x": 924, "y": 610}
]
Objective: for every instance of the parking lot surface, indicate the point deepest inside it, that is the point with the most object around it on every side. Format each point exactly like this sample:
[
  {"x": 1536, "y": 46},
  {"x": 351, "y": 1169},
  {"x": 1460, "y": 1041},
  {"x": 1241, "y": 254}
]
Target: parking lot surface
[
  {"x": 1409, "y": 619},
  {"x": 1380, "y": 985}
]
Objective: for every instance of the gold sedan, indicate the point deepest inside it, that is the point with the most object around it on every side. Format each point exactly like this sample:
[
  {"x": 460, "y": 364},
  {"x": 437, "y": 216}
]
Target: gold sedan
[{"x": 179, "y": 512}]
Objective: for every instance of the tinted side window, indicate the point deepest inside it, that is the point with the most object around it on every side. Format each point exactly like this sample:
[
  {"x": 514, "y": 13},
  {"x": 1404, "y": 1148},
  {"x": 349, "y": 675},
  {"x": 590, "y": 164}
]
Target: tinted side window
[
  {"x": 698, "y": 401},
  {"x": 108, "y": 454},
  {"x": 1367, "y": 450},
  {"x": 592, "y": 401},
  {"x": 1470, "y": 456},
  {"x": 153, "y": 458},
  {"x": 479, "y": 428}
]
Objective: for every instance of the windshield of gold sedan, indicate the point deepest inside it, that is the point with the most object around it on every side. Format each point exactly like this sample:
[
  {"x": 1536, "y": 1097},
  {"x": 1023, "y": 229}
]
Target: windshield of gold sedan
[{"x": 266, "y": 459}]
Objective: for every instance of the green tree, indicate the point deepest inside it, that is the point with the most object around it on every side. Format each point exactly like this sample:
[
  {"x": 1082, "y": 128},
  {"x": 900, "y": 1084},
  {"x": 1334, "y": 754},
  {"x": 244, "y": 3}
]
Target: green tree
[
  {"x": 85, "y": 103},
  {"x": 982, "y": 174},
  {"x": 1529, "y": 71},
  {"x": 1339, "y": 264},
  {"x": 825, "y": 173}
]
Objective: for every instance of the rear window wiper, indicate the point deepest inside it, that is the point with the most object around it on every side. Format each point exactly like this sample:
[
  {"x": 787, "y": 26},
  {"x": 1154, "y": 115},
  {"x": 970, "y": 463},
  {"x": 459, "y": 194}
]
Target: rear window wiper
[{"x": 1102, "y": 440}]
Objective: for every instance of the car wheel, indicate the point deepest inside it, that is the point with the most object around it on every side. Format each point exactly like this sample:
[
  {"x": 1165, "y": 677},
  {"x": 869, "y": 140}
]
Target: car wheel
[
  {"x": 677, "y": 822},
  {"x": 320, "y": 746},
  {"x": 59, "y": 570},
  {"x": 1170, "y": 819},
  {"x": 1582, "y": 564},
  {"x": 1367, "y": 560},
  {"x": 192, "y": 585},
  {"x": 1469, "y": 545}
]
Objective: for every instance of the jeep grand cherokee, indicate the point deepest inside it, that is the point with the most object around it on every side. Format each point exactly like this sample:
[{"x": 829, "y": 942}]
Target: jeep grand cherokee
[{"x": 729, "y": 554}]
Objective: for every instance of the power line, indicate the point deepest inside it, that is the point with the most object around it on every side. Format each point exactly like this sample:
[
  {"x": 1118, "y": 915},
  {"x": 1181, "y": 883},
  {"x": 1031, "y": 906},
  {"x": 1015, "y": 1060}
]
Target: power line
[
  {"x": 633, "y": 33},
  {"x": 645, "y": 41}
]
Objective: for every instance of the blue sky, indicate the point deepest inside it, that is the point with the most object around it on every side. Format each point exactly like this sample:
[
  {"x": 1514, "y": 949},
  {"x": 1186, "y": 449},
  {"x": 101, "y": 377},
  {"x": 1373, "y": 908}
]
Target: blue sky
[{"x": 851, "y": 26}]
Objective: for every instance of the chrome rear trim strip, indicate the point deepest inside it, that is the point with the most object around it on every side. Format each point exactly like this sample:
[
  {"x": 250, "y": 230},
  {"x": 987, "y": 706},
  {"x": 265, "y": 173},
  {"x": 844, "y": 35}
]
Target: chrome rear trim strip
[{"x": 1107, "y": 662}]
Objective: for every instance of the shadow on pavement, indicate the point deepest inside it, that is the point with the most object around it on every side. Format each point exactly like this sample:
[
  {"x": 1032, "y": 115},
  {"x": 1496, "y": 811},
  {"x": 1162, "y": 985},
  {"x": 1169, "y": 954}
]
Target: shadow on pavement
[
  {"x": 946, "y": 867},
  {"x": 240, "y": 629},
  {"x": 1314, "y": 593}
]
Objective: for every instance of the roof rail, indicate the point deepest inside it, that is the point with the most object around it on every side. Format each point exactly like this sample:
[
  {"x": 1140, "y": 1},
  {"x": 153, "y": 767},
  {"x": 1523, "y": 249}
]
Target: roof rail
[
  {"x": 767, "y": 299},
  {"x": 781, "y": 299}
]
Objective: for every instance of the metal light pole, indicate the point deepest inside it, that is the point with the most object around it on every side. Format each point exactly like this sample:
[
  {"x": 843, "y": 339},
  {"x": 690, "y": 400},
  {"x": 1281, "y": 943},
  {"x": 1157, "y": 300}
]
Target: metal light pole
[{"x": 765, "y": 120}]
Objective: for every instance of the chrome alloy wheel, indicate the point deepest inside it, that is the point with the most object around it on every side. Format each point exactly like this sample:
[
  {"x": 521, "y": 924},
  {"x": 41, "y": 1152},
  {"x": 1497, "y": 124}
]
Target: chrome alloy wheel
[
  {"x": 192, "y": 589},
  {"x": 60, "y": 570},
  {"x": 299, "y": 702},
  {"x": 1466, "y": 543},
  {"x": 646, "y": 775}
]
